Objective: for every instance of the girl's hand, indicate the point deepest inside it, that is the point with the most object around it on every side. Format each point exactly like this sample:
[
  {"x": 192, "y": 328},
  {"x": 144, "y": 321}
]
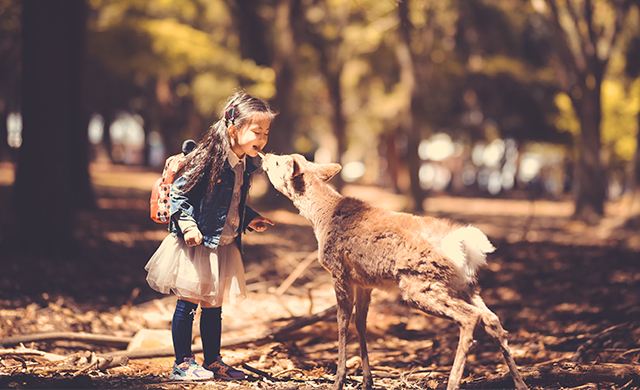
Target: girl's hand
[
  {"x": 193, "y": 237},
  {"x": 260, "y": 224}
]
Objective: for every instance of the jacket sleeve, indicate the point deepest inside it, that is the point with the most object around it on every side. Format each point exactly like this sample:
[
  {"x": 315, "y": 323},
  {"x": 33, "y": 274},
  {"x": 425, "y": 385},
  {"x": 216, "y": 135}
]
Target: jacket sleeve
[
  {"x": 180, "y": 206},
  {"x": 249, "y": 215}
]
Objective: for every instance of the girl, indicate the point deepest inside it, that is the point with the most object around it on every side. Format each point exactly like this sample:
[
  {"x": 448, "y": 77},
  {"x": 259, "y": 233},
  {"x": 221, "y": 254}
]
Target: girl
[{"x": 200, "y": 260}]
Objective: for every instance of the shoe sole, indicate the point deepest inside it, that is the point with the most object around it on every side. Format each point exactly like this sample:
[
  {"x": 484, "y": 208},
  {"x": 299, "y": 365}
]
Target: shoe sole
[{"x": 187, "y": 379}]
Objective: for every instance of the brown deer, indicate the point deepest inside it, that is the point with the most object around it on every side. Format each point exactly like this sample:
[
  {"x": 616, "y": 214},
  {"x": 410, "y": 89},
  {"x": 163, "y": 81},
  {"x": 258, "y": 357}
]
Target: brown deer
[{"x": 433, "y": 261}]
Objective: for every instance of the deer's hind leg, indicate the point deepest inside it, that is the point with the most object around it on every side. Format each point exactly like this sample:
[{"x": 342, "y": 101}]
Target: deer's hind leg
[
  {"x": 344, "y": 296},
  {"x": 363, "y": 298},
  {"x": 493, "y": 327},
  {"x": 435, "y": 298}
]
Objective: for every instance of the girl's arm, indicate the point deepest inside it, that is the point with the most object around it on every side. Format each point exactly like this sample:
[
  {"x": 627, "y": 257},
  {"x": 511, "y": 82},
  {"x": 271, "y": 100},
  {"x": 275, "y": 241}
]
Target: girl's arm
[
  {"x": 254, "y": 221},
  {"x": 249, "y": 215},
  {"x": 179, "y": 202},
  {"x": 181, "y": 211}
]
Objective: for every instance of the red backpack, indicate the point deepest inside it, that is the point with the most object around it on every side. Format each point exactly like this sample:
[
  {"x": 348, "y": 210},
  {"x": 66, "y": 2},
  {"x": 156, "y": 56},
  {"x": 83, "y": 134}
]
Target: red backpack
[{"x": 159, "y": 203}]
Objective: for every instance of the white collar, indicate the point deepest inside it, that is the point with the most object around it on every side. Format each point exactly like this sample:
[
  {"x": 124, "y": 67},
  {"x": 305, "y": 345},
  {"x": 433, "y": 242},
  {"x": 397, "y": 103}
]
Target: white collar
[{"x": 234, "y": 159}]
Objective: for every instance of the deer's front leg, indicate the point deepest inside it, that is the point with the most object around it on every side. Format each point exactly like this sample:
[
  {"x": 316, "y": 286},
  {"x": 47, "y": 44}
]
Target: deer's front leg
[
  {"x": 344, "y": 297},
  {"x": 363, "y": 298}
]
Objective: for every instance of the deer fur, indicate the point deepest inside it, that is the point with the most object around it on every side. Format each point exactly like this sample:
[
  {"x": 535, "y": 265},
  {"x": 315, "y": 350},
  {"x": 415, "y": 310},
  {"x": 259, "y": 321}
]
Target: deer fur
[{"x": 432, "y": 261}]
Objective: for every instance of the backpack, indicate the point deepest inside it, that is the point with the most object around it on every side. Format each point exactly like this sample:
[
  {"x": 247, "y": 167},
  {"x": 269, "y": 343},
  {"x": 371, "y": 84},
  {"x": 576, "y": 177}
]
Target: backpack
[{"x": 159, "y": 203}]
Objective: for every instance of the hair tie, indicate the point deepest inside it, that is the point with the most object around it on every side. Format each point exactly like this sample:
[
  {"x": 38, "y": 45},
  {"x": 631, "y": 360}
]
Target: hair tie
[{"x": 231, "y": 114}]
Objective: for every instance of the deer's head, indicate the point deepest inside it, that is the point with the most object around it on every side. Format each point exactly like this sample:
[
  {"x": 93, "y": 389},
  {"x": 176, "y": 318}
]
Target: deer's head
[{"x": 292, "y": 174}]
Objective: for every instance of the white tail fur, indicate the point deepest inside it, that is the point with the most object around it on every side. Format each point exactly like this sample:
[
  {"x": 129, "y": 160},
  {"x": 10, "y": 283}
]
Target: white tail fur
[{"x": 467, "y": 247}]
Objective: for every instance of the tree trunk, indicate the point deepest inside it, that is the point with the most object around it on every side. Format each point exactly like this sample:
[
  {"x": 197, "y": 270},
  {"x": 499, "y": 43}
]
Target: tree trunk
[
  {"x": 391, "y": 156},
  {"x": 284, "y": 66},
  {"x": 590, "y": 185},
  {"x": 4, "y": 132},
  {"x": 635, "y": 176},
  {"x": 251, "y": 29},
  {"x": 107, "y": 144},
  {"x": 408, "y": 117},
  {"x": 80, "y": 179},
  {"x": 332, "y": 74},
  {"x": 52, "y": 163}
]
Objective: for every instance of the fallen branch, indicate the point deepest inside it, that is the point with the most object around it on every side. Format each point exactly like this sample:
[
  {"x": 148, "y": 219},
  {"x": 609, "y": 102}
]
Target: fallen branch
[
  {"x": 101, "y": 363},
  {"x": 297, "y": 272},
  {"x": 67, "y": 336},
  {"x": 279, "y": 334},
  {"x": 87, "y": 361},
  {"x": 579, "y": 355},
  {"x": 566, "y": 374},
  {"x": 31, "y": 352},
  {"x": 261, "y": 373}
]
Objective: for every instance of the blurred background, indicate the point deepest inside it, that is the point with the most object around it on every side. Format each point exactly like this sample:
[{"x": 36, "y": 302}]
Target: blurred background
[
  {"x": 519, "y": 116},
  {"x": 491, "y": 98}
]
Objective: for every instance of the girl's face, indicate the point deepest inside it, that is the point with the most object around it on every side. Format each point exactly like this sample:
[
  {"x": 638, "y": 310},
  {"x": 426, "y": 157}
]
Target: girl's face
[{"x": 252, "y": 137}]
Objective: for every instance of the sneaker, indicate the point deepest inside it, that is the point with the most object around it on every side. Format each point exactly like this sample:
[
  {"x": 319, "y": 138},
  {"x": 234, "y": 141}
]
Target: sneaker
[
  {"x": 222, "y": 370},
  {"x": 189, "y": 370}
]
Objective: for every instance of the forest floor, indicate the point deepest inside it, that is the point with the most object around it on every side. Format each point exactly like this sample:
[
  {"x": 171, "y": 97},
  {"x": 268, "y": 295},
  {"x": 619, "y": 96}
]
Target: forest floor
[{"x": 568, "y": 293}]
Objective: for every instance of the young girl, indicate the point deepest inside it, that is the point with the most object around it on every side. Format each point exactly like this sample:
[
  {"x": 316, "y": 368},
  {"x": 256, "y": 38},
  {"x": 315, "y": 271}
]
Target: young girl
[{"x": 200, "y": 260}]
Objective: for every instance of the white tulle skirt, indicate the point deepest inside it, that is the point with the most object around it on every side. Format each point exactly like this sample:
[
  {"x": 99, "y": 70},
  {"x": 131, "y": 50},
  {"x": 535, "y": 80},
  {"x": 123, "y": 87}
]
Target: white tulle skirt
[{"x": 213, "y": 276}]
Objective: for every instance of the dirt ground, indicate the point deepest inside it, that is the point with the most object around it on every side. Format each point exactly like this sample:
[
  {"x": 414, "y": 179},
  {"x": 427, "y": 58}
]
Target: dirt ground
[{"x": 558, "y": 286}]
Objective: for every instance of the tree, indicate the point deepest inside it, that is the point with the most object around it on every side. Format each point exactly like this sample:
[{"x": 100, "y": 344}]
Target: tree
[
  {"x": 325, "y": 36},
  {"x": 269, "y": 41},
  {"x": 52, "y": 171},
  {"x": 408, "y": 123},
  {"x": 9, "y": 71},
  {"x": 632, "y": 70},
  {"x": 583, "y": 42},
  {"x": 172, "y": 62},
  {"x": 284, "y": 66}
]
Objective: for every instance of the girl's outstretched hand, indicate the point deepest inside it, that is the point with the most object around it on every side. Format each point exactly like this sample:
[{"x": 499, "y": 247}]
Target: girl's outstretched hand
[
  {"x": 193, "y": 237},
  {"x": 260, "y": 224}
]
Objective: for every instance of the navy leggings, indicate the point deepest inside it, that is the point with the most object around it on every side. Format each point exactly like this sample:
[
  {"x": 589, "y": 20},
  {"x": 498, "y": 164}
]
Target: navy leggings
[{"x": 210, "y": 331}]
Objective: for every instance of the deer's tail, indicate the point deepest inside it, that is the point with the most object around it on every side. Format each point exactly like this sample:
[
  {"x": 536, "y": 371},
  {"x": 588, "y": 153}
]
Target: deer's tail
[{"x": 467, "y": 247}]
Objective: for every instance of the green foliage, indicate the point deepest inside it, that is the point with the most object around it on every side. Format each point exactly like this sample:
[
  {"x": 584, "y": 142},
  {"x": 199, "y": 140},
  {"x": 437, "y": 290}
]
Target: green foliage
[
  {"x": 620, "y": 107},
  {"x": 182, "y": 41}
]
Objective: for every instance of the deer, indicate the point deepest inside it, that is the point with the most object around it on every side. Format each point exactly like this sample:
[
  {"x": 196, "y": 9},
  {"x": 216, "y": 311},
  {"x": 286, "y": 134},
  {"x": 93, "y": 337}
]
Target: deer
[{"x": 432, "y": 261}]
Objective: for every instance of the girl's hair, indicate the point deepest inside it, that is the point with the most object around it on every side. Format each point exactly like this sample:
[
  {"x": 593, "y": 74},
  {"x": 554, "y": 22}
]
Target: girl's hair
[{"x": 207, "y": 159}]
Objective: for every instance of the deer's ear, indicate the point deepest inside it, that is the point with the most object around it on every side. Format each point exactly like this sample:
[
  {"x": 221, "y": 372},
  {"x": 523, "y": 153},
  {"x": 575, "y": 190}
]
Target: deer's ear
[
  {"x": 298, "y": 166},
  {"x": 297, "y": 169},
  {"x": 327, "y": 171}
]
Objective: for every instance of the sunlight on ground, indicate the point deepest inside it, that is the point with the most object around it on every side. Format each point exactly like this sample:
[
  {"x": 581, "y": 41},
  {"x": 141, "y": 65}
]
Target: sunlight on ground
[
  {"x": 6, "y": 174},
  {"x": 123, "y": 177}
]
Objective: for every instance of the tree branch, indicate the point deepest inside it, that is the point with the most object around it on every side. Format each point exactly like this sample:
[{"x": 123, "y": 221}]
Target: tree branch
[
  {"x": 563, "y": 50},
  {"x": 565, "y": 374},
  {"x": 621, "y": 9},
  {"x": 587, "y": 47}
]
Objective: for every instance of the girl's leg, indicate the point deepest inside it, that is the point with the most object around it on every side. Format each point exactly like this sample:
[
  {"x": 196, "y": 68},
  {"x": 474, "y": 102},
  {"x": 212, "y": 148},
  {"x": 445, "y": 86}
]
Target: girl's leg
[
  {"x": 181, "y": 326},
  {"x": 210, "y": 332}
]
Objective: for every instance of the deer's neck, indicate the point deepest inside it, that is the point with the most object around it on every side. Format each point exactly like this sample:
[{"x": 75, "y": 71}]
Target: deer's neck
[{"x": 317, "y": 204}]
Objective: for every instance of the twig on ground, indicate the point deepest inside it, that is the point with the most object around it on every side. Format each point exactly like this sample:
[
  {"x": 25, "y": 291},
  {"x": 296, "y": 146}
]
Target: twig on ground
[
  {"x": 31, "y": 352},
  {"x": 579, "y": 355},
  {"x": 279, "y": 374},
  {"x": 630, "y": 352},
  {"x": 297, "y": 272},
  {"x": 67, "y": 336},
  {"x": 260, "y": 372}
]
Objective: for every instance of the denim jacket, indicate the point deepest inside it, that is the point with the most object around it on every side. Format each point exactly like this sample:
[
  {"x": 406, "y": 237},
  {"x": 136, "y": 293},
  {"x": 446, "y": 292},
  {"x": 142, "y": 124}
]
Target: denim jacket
[{"x": 210, "y": 210}]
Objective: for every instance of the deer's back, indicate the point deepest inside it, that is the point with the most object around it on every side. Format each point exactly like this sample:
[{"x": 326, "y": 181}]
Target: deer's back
[{"x": 375, "y": 247}]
